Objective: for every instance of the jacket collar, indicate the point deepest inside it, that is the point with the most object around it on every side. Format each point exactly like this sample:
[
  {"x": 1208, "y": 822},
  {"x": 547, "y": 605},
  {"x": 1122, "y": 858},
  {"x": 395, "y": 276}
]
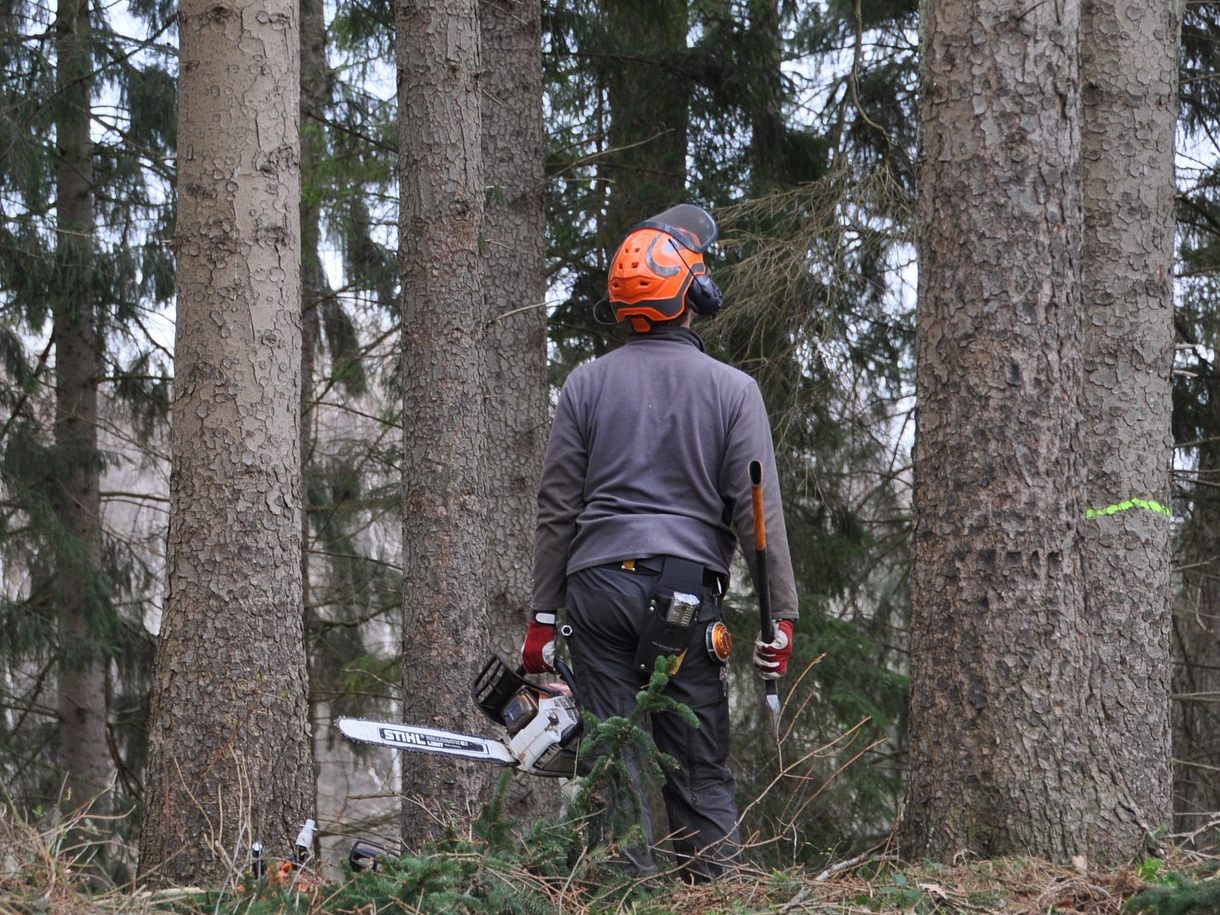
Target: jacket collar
[{"x": 669, "y": 334}]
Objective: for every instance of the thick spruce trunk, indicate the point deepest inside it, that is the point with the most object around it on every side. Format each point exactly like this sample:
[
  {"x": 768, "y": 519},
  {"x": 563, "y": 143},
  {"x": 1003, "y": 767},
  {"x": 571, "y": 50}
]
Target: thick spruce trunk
[
  {"x": 230, "y": 759},
  {"x": 999, "y": 741},
  {"x": 515, "y": 242},
  {"x": 1129, "y": 94},
  {"x": 444, "y": 331},
  {"x": 518, "y": 414}
]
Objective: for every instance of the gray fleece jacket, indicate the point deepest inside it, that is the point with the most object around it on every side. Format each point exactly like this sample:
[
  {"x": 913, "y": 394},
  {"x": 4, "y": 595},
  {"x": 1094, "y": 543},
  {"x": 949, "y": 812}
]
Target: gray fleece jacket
[{"x": 649, "y": 456}]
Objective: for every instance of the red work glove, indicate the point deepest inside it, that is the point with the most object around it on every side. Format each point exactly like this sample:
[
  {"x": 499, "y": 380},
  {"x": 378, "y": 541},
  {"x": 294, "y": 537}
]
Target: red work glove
[
  {"x": 538, "y": 652},
  {"x": 771, "y": 658}
]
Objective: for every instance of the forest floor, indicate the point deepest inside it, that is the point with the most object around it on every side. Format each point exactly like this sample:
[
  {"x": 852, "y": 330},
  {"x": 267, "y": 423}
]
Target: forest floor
[{"x": 34, "y": 879}]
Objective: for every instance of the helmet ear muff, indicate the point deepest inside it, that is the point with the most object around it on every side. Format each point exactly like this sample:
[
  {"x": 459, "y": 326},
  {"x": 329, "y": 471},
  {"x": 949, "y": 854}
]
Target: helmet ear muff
[{"x": 704, "y": 296}]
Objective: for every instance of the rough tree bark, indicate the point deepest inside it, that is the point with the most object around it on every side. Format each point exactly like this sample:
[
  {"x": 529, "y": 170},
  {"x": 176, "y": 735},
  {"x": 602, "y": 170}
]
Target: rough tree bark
[
  {"x": 230, "y": 758},
  {"x": 518, "y": 413},
  {"x": 1129, "y": 95},
  {"x": 998, "y": 739},
  {"x": 515, "y": 242},
  {"x": 444, "y": 320}
]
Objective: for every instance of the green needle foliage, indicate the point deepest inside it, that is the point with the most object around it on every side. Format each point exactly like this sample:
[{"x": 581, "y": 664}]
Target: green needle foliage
[
  {"x": 463, "y": 878},
  {"x": 1177, "y": 896},
  {"x": 612, "y": 740},
  {"x": 119, "y": 267},
  {"x": 608, "y": 806}
]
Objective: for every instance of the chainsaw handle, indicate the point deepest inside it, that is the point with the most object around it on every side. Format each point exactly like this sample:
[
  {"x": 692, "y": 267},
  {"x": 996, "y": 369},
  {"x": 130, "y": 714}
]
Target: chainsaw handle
[
  {"x": 562, "y": 668},
  {"x": 566, "y": 675}
]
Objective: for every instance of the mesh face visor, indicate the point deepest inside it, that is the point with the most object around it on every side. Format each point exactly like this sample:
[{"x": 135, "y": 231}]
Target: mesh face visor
[{"x": 691, "y": 226}]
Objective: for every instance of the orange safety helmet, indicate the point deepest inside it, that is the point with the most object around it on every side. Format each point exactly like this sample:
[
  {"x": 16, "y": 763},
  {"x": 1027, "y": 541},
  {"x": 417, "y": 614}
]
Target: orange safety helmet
[{"x": 658, "y": 269}]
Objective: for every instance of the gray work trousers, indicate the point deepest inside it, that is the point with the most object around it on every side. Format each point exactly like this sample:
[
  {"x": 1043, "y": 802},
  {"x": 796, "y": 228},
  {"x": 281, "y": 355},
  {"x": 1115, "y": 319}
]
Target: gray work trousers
[{"x": 605, "y": 609}]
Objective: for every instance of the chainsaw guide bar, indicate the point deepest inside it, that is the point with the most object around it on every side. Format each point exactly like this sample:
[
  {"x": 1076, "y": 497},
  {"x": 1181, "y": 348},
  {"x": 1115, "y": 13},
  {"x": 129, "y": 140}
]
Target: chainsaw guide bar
[{"x": 409, "y": 737}]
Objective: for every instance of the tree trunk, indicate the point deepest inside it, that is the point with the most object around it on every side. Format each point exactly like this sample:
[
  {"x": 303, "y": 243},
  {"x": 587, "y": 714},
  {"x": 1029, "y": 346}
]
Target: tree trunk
[
  {"x": 649, "y": 108},
  {"x": 515, "y": 232},
  {"x": 77, "y": 586},
  {"x": 998, "y": 739},
  {"x": 1129, "y": 94},
  {"x": 315, "y": 96},
  {"x": 230, "y": 760},
  {"x": 767, "y": 115},
  {"x": 443, "y": 334},
  {"x": 518, "y": 414}
]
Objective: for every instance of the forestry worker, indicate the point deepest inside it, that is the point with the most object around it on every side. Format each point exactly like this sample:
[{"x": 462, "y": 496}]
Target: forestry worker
[{"x": 645, "y": 492}]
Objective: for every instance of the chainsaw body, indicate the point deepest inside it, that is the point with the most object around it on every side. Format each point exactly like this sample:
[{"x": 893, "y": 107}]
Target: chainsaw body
[{"x": 542, "y": 720}]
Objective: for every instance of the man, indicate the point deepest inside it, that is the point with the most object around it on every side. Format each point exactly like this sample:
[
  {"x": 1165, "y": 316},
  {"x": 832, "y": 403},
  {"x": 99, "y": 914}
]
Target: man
[{"x": 644, "y": 494}]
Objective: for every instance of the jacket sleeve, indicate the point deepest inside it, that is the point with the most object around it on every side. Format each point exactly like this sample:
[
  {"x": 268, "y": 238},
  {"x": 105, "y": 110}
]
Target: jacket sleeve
[
  {"x": 560, "y": 501},
  {"x": 749, "y": 439}
]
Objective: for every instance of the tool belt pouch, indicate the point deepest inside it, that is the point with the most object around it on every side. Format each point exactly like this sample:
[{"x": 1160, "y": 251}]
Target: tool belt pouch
[{"x": 669, "y": 624}]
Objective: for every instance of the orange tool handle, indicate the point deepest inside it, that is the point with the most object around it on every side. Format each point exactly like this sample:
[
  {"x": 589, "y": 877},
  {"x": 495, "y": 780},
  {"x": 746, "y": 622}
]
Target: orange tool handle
[
  {"x": 760, "y": 553},
  {"x": 760, "y": 516}
]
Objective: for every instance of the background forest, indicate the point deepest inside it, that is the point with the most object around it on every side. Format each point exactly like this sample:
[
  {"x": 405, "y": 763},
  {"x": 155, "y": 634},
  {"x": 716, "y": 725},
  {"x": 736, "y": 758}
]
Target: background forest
[{"x": 794, "y": 122}]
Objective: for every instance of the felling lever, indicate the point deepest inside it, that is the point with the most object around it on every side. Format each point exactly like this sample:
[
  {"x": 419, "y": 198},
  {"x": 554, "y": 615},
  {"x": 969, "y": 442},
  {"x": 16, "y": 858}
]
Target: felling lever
[{"x": 766, "y": 624}]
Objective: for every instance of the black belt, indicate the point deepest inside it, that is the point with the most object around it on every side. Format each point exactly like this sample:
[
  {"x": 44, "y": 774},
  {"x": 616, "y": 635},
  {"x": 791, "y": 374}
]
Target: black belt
[{"x": 680, "y": 574}]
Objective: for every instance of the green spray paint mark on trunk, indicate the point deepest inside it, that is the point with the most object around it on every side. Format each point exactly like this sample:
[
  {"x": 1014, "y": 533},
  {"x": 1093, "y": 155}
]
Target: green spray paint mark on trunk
[{"x": 1146, "y": 504}]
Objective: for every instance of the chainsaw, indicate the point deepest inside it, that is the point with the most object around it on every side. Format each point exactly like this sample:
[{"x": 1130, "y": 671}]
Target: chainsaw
[{"x": 541, "y": 722}]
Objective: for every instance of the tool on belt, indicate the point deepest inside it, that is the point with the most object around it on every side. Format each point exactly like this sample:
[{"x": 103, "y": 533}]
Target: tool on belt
[{"x": 674, "y": 611}]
